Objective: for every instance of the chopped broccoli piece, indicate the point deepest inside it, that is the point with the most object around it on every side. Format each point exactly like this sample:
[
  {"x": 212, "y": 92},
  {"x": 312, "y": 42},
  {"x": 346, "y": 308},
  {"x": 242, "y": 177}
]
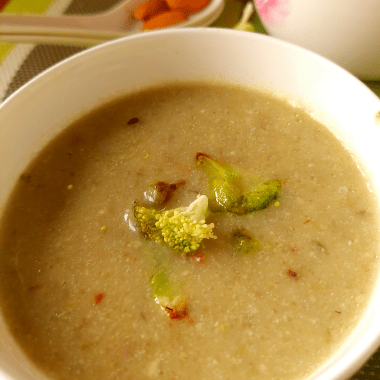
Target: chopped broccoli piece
[
  {"x": 168, "y": 294},
  {"x": 229, "y": 192},
  {"x": 263, "y": 195},
  {"x": 160, "y": 192},
  {"x": 182, "y": 228},
  {"x": 165, "y": 286},
  {"x": 244, "y": 242}
]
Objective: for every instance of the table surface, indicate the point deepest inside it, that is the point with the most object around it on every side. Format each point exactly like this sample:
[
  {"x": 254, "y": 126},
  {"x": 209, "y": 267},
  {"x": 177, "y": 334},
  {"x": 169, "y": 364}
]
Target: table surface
[{"x": 20, "y": 63}]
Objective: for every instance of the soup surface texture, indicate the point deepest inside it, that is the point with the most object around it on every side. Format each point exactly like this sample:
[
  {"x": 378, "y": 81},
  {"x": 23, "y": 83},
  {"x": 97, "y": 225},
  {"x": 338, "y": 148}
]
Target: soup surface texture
[{"x": 75, "y": 290}]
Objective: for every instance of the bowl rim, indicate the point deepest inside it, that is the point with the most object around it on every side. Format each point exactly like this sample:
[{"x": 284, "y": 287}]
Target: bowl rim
[
  {"x": 188, "y": 30},
  {"x": 372, "y": 342}
]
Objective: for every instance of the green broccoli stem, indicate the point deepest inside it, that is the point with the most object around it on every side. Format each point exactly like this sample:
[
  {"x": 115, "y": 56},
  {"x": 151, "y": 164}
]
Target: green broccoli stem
[
  {"x": 257, "y": 198},
  {"x": 228, "y": 193},
  {"x": 165, "y": 287}
]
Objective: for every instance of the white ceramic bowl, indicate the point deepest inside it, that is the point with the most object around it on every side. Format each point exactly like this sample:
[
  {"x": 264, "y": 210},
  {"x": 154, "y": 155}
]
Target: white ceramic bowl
[
  {"x": 42, "y": 108},
  {"x": 345, "y": 31}
]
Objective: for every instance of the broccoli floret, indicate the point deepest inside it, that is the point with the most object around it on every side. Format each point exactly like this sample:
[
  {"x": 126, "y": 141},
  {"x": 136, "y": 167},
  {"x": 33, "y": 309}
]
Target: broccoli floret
[
  {"x": 244, "y": 242},
  {"x": 182, "y": 228},
  {"x": 229, "y": 192}
]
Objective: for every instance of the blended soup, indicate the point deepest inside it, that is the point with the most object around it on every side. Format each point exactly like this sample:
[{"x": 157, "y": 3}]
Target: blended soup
[{"x": 75, "y": 290}]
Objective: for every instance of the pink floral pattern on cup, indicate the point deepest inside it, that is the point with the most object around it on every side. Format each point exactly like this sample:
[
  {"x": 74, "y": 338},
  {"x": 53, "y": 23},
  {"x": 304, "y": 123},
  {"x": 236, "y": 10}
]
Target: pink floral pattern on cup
[{"x": 273, "y": 12}]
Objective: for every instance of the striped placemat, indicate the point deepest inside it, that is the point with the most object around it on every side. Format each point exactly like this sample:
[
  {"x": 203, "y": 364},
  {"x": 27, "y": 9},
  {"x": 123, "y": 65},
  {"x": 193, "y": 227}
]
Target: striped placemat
[{"x": 21, "y": 62}]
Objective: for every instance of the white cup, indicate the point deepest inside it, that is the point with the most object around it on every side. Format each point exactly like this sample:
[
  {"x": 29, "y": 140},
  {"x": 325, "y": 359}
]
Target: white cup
[{"x": 344, "y": 31}]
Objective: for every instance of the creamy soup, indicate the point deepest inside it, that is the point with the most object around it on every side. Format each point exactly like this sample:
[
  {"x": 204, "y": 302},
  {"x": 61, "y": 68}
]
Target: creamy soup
[{"x": 75, "y": 290}]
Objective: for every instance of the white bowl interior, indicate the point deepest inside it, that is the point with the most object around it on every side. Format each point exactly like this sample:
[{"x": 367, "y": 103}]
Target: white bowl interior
[{"x": 42, "y": 108}]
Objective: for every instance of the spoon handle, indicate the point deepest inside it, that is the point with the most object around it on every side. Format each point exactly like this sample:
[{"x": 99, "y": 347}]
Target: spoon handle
[
  {"x": 72, "y": 30},
  {"x": 51, "y": 40},
  {"x": 40, "y": 24},
  {"x": 31, "y": 20}
]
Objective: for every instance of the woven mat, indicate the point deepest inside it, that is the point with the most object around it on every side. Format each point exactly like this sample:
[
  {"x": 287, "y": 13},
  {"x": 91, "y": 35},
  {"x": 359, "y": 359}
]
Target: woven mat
[
  {"x": 25, "y": 61},
  {"x": 20, "y": 63}
]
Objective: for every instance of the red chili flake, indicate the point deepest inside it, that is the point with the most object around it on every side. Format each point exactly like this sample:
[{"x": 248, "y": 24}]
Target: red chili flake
[
  {"x": 200, "y": 258},
  {"x": 179, "y": 312},
  {"x": 134, "y": 120},
  {"x": 293, "y": 249},
  {"x": 291, "y": 273},
  {"x": 186, "y": 168},
  {"x": 199, "y": 156},
  {"x": 264, "y": 122},
  {"x": 75, "y": 140},
  {"x": 34, "y": 287},
  {"x": 83, "y": 324},
  {"x": 308, "y": 220},
  {"x": 190, "y": 320},
  {"x": 99, "y": 298}
]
